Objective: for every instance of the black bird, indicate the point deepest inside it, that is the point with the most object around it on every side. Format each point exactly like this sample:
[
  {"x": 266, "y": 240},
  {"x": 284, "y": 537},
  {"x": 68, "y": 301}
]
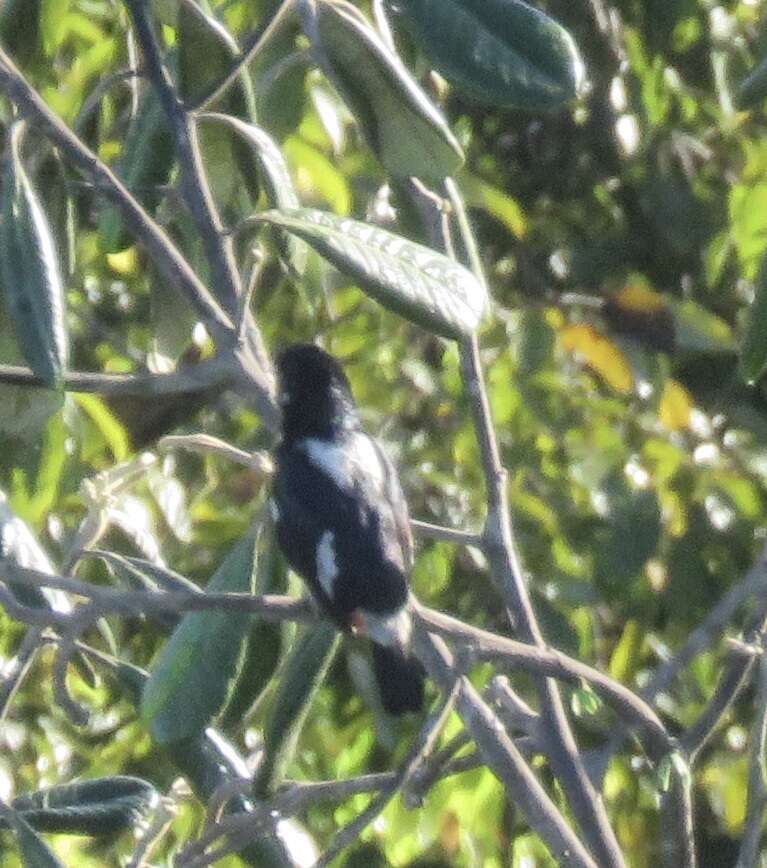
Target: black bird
[{"x": 342, "y": 520}]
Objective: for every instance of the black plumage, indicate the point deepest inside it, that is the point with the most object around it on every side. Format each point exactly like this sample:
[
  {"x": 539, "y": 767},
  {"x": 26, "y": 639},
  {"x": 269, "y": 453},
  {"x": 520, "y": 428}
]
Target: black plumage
[{"x": 342, "y": 520}]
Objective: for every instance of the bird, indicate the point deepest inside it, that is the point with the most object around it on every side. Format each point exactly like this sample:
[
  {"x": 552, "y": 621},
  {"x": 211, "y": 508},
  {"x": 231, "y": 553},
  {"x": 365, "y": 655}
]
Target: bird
[{"x": 342, "y": 519}]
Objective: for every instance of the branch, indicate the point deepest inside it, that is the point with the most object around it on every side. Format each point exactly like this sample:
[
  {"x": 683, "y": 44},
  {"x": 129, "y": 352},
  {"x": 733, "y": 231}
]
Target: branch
[
  {"x": 501, "y": 755},
  {"x": 213, "y": 372},
  {"x": 196, "y": 192},
  {"x": 748, "y": 856},
  {"x": 161, "y": 249},
  {"x": 506, "y": 566},
  {"x": 253, "y": 45},
  {"x": 543, "y": 661}
]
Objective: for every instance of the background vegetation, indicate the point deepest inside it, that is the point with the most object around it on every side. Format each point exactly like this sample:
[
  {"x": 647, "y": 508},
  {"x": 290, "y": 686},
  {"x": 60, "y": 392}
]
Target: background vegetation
[{"x": 621, "y": 234}]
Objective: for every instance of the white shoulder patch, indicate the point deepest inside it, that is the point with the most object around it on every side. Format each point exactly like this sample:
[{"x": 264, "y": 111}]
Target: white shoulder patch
[
  {"x": 343, "y": 461},
  {"x": 327, "y": 568}
]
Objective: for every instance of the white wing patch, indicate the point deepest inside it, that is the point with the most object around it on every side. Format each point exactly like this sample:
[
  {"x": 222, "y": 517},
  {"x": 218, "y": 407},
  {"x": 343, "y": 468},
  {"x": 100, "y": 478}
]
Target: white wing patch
[
  {"x": 327, "y": 568},
  {"x": 344, "y": 461}
]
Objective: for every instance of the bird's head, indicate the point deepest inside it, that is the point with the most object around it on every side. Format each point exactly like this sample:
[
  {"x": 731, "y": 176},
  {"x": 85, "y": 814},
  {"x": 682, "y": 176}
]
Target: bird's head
[{"x": 314, "y": 394}]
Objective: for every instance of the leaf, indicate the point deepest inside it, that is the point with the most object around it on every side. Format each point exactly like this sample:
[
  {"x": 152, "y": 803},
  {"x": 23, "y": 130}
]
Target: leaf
[
  {"x": 600, "y": 354},
  {"x": 30, "y": 270},
  {"x": 406, "y": 132},
  {"x": 480, "y": 194},
  {"x": 98, "y": 807},
  {"x": 413, "y": 280},
  {"x": 35, "y": 853},
  {"x": 274, "y": 171},
  {"x": 675, "y": 407},
  {"x": 144, "y": 166},
  {"x": 700, "y": 331},
  {"x": 625, "y": 659},
  {"x": 302, "y": 676},
  {"x": 502, "y": 52},
  {"x": 108, "y": 424},
  {"x": 192, "y": 678},
  {"x": 753, "y": 88},
  {"x": 753, "y": 351}
]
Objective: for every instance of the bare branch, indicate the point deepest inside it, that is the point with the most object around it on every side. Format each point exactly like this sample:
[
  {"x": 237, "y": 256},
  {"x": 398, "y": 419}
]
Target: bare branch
[
  {"x": 212, "y": 372},
  {"x": 506, "y": 566}
]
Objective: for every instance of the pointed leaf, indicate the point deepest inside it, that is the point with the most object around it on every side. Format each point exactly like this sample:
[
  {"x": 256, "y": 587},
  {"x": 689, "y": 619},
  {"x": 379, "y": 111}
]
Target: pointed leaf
[
  {"x": 502, "y": 52},
  {"x": 275, "y": 174},
  {"x": 193, "y": 676},
  {"x": 98, "y": 807},
  {"x": 406, "y": 132},
  {"x": 302, "y": 676},
  {"x": 411, "y": 279},
  {"x": 144, "y": 166},
  {"x": 30, "y": 270}
]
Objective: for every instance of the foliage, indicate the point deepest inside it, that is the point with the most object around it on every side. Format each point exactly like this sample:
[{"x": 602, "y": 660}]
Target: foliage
[{"x": 622, "y": 225}]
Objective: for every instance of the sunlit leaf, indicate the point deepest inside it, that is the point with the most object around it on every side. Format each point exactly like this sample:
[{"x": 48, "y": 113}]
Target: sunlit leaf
[
  {"x": 600, "y": 354},
  {"x": 30, "y": 270},
  {"x": 411, "y": 279},
  {"x": 407, "y": 133},
  {"x": 675, "y": 407}
]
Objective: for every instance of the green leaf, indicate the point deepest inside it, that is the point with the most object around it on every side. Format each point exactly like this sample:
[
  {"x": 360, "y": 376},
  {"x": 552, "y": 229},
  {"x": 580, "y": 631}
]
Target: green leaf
[
  {"x": 98, "y": 807},
  {"x": 302, "y": 676},
  {"x": 30, "y": 270},
  {"x": 625, "y": 658},
  {"x": 193, "y": 676},
  {"x": 108, "y": 424},
  {"x": 502, "y": 52},
  {"x": 406, "y": 132},
  {"x": 35, "y": 853},
  {"x": 585, "y": 703},
  {"x": 697, "y": 330},
  {"x": 144, "y": 166},
  {"x": 274, "y": 171},
  {"x": 413, "y": 280},
  {"x": 753, "y": 351},
  {"x": 200, "y": 35},
  {"x": 20, "y": 29}
]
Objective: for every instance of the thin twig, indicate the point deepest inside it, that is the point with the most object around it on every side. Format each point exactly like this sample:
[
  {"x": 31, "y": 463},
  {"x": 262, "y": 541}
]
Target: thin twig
[{"x": 251, "y": 48}]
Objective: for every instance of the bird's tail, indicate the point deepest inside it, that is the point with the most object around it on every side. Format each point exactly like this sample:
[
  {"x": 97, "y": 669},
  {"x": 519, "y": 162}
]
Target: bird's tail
[{"x": 400, "y": 679}]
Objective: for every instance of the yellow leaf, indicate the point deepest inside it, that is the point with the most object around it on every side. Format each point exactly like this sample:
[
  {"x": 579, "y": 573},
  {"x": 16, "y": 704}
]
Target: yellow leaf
[
  {"x": 675, "y": 406},
  {"x": 600, "y": 354},
  {"x": 636, "y": 297},
  {"x": 124, "y": 262}
]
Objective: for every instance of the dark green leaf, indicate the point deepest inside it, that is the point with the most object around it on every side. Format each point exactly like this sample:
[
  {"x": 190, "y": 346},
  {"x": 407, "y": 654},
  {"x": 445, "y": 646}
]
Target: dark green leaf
[
  {"x": 302, "y": 676},
  {"x": 408, "y": 135},
  {"x": 502, "y": 52},
  {"x": 411, "y": 279},
  {"x": 30, "y": 270},
  {"x": 144, "y": 166},
  {"x": 193, "y": 676},
  {"x": 97, "y": 807},
  {"x": 753, "y": 352}
]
